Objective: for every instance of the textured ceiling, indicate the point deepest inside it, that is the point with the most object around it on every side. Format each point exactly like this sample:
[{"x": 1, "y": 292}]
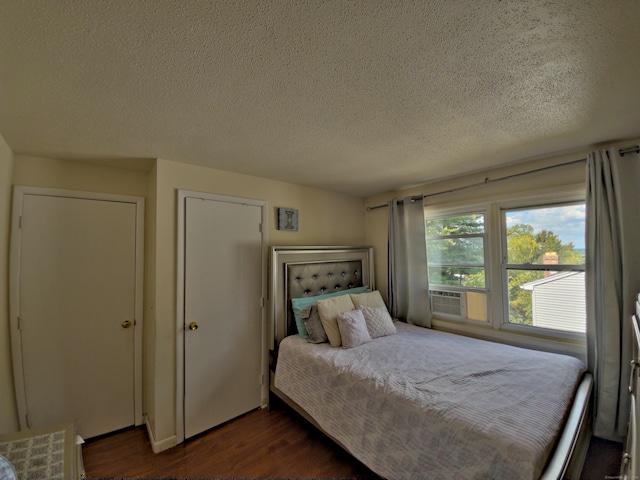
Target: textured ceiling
[{"x": 353, "y": 96}]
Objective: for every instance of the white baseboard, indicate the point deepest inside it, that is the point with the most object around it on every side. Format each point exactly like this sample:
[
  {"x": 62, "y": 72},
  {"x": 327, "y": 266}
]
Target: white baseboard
[{"x": 159, "y": 446}]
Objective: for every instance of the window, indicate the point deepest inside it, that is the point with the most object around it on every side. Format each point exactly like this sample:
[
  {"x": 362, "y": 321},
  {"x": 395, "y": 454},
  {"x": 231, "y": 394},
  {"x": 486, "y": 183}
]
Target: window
[
  {"x": 543, "y": 266},
  {"x": 514, "y": 265},
  {"x": 456, "y": 257}
]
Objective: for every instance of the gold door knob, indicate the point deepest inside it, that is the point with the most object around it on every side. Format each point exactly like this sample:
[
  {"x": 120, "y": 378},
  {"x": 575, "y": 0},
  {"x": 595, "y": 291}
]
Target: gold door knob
[
  {"x": 193, "y": 326},
  {"x": 126, "y": 324}
]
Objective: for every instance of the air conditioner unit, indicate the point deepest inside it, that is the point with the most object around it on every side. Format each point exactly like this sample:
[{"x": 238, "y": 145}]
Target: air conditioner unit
[{"x": 448, "y": 303}]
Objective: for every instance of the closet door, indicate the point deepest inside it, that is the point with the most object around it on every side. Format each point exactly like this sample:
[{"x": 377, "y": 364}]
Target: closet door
[
  {"x": 75, "y": 358},
  {"x": 222, "y": 312}
]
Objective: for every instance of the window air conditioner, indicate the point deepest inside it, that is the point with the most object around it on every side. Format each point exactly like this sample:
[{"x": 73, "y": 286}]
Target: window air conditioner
[{"x": 448, "y": 303}]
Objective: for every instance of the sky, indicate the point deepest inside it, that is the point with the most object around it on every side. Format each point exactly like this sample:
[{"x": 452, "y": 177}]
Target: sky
[{"x": 568, "y": 222}]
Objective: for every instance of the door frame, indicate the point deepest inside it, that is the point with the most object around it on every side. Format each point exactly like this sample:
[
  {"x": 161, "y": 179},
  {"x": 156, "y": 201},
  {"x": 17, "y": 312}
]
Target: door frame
[
  {"x": 180, "y": 305},
  {"x": 19, "y": 193}
]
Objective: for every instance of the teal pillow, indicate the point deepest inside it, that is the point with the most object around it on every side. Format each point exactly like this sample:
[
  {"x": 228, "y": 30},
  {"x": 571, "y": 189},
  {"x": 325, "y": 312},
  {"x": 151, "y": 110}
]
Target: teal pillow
[{"x": 299, "y": 304}]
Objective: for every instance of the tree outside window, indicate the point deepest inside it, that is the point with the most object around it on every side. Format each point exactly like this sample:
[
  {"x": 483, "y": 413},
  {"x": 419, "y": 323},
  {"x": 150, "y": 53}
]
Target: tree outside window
[{"x": 455, "y": 250}]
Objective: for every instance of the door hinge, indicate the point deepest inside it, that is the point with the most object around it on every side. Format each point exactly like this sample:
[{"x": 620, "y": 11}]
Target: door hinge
[
  {"x": 20, "y": 223},
  {"x": 262, "y": 302},
  {"x": 260, "y": 227},
  {"x": 26, "y": 419},
  {"x": 19, "y": 323}
]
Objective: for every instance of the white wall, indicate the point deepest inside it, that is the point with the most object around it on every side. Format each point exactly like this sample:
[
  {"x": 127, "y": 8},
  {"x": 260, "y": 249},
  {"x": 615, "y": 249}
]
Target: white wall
[
  {"x": 560, "y": 303},
  {"x": 77, "y": 175},
  {"x": 325, "y": 218},
  {"x": 8, "y": 411}
]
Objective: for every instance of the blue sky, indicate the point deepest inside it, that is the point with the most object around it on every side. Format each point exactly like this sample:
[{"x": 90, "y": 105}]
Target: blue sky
[{"x": 567, "y": 221}]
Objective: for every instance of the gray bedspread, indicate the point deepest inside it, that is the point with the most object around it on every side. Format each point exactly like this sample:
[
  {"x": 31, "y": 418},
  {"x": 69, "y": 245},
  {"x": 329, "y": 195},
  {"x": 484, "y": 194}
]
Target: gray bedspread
[{"x": 428, "y": 404}]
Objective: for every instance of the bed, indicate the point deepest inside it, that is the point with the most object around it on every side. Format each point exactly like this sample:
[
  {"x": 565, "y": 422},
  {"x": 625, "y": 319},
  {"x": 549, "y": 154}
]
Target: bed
[{"x": 420, "y": 403}]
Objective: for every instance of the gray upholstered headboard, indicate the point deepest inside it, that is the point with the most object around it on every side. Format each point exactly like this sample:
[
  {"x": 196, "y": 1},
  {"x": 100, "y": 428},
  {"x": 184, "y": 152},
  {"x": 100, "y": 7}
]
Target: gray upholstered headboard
[{"x": 310, "y": 271}]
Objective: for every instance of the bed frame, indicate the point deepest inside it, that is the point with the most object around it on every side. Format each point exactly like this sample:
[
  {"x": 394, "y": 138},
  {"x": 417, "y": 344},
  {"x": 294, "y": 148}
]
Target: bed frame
[{"x": 309, "y": 271}]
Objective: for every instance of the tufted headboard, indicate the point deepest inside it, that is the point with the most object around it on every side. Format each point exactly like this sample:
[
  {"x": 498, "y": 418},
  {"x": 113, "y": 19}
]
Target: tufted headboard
[{"x": 309, "y": 271}]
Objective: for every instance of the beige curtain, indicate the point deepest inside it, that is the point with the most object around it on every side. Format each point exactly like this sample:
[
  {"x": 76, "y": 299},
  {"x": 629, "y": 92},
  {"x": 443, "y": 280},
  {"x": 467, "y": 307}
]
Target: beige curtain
[
  {"x": 408, "y": 285},
  {"x": 612, "y": 283}
]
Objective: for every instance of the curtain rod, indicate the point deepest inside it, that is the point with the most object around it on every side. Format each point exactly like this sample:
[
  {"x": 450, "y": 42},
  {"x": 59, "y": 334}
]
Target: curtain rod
[{"x": 486, "y": 181}]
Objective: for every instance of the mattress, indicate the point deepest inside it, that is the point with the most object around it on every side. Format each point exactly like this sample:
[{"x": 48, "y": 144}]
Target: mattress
[{"x": 429, "y": 404}]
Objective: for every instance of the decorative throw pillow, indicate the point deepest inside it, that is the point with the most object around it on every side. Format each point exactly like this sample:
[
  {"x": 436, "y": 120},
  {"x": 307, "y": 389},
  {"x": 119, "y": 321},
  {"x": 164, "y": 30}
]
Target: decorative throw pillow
[
  {"x": 379, "y": 322},
  {"x": 299, "y": 304},
  {"x": 369, "y": 299},
  {"x": 353, "y": 329},
  {"x": 329, "y": 310},
  {"x": 313, "y": 324}
]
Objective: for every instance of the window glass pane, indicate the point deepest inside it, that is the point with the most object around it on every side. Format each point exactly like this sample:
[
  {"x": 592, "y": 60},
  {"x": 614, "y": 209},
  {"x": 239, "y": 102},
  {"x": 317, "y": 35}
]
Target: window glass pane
[
  {"x": 462, "y": 224},
  {"x": 554, "y": 300},
  {"x": 456, "y": 251},
  {"x": 472, "y": 277},
  {"x": 549, "y": 235}
]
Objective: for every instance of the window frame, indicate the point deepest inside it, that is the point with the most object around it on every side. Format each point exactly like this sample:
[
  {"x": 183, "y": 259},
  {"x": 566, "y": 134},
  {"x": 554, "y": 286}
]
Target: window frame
[
  {"x": 497, "y": 327},
  {"x": 560, "y": 200},
  {"x": 432, "y": 212},
  {"x": 468, "y": 235}
]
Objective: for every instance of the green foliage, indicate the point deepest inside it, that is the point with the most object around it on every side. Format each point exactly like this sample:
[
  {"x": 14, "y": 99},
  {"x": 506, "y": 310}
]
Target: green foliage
[
  {"x": 520, "y": 306},
  {"x": 456, "y": 260},
  {"x": 463, "y": 224},
  {"x": 523, "y": 247}
]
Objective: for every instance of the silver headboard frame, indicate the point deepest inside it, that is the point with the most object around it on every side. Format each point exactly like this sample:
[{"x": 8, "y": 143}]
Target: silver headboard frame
[{"x": 310, "y": 271}]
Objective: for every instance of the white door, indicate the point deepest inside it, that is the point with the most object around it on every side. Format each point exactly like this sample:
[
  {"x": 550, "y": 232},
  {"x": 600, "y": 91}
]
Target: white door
[
  {"x": 76, "y": 284},
  {"x": 222, "y": 312}
]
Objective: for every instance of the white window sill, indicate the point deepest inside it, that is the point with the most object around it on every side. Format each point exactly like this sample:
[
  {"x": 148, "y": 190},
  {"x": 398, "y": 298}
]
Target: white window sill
[{"x": 514, "y": 335}]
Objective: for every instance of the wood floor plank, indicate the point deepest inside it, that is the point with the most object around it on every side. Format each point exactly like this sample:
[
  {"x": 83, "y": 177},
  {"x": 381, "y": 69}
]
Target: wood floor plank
[{"x": 261, "y": 444}]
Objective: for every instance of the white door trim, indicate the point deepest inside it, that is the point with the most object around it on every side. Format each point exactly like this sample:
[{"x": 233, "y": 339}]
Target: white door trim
[
  {"x": 19, "y": 193},
  {"x": 182, "y": 196}
]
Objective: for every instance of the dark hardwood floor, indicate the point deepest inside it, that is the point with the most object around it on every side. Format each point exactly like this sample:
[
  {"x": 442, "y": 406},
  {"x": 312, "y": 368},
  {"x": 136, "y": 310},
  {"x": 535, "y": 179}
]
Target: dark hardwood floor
[
  {"x": 260, "y": 444},
  {"x": 603, "y": 460}
]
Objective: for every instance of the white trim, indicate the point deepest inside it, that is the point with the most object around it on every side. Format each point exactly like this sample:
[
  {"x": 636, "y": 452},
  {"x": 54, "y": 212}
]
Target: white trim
[
  {"x": 182, "y": 197},
  {"x": 560, "y": 199},
  {"x": 158, "y": 446},
  {"x": 530, "y": 340},
  {"x": 19, "y": 193}
]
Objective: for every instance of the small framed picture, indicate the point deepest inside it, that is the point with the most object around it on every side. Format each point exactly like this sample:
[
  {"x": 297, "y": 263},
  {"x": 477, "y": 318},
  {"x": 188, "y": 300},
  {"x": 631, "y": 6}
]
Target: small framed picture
[{"x": 288, "y": 219}]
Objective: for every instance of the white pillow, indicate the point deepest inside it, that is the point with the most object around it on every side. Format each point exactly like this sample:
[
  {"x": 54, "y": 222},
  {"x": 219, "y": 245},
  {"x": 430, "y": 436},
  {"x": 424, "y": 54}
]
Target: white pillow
[
  {"x": 379, "y": 322},
  {"x": 369, "y": 299},
  {"x": 328, "y": 309},
  {"x": 353, "y": 329}
]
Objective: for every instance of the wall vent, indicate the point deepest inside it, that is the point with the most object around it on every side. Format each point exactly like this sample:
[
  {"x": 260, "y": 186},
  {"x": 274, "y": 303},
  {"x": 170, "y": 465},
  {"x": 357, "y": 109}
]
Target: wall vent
[{"x": 448, "y": 303}]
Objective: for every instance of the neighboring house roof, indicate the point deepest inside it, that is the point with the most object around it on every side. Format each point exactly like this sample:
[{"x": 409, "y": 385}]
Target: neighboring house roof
[{"x": 551, "y": 278}]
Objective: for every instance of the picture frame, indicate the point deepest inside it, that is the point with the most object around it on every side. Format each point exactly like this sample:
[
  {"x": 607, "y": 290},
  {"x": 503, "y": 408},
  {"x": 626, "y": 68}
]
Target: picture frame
[{"x": 288, "y": 219}]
